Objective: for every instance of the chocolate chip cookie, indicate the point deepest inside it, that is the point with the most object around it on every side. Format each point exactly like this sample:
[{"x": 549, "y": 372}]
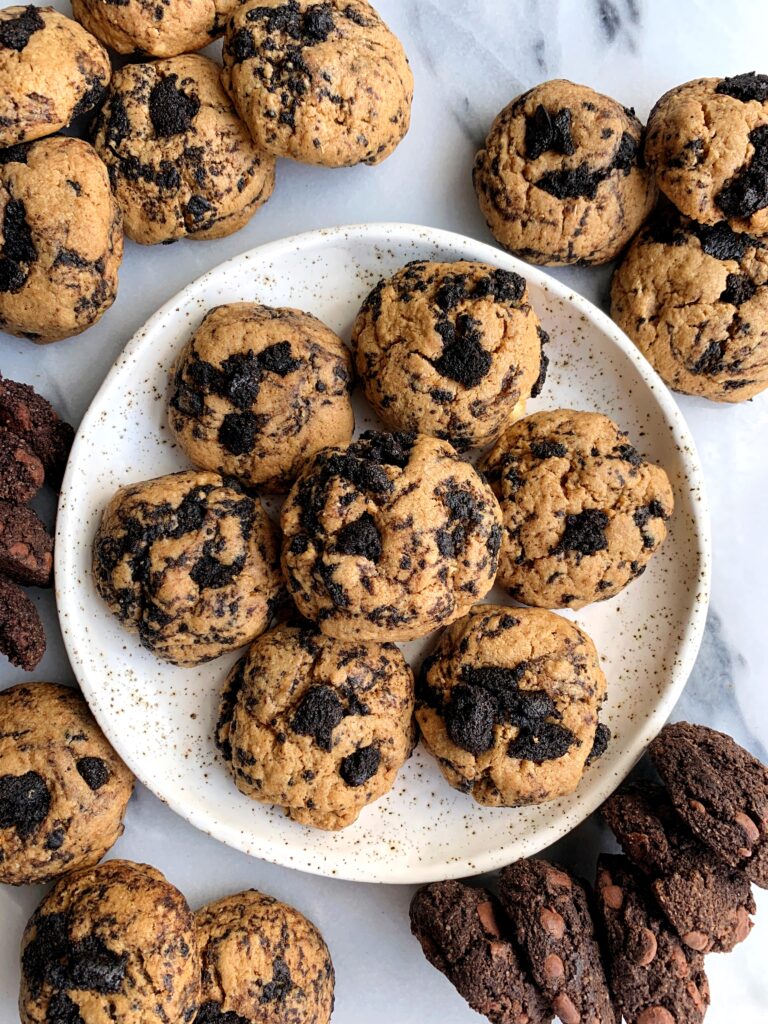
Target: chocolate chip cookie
[
  {"x": 464, "y": 935},
  {"x": 318, "y": 726},
  {"x": 262, "y": 961},
  {"x": 51, "y": 70},
  {"x": 62, "y": 239},
  {"x": 21, "y": 471},
  {"x": 257, "y": 390},
  {"x": 180, "y": 160},
  {"x": 560, "y": 178},
  {"x": 324, "y": 83},
  {"x": 189, "y": 563},
  {"x": 63, "y": 789},
  {"x": 508, "y": 704},
  {"x": 111, "y": 943},
  {"x": 450, "y": 349},
  {"x": 583, "y": 510},
  {"x": 389, "y": 538},
  {"x": 694, "y": 299},
  {"x": 22, "y": 637},
  {"x": 26, "y": 547},
  {"x": 161, "y": 30}
]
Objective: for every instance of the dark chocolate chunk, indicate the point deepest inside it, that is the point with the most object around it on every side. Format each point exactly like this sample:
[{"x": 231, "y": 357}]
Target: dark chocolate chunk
[
  {"x": 94, "y": 771},
  {"x": 18, "y": 249},
  {"x": 470, "y": 717},
  {"x": 197, "y": 207},
  {"x": 548, "y": 449},
  {"x": 585, "y": 532},
  {"x": 710, "y": 361},
  {"x": 600, "y": 744},
  {"x": 543, "y": 365},
  {"x": 277, "y": 359},
  {"x": 318, "y": 714},
  {"x": 745, "y": 87},
  {"x": 738, "y": 289},
  {"x": 544, "y": 742},
  {"x": 61, "y": 1010},
  {"x": 16, "y": 32},
  {"x": 53, "y": 958},
  {"x": 581, "y": 181},
  {"x": 171, "y": 110},
  {"x": 747, "y": 191},
  {"x": 276, "y": 990},
  {"x": 238, "y": 432},
  {"x": 356, "y": 769},
  {"x": 545, "y": 132},
  {"x": 721, "y": 241},
  {"x": 463, "y": 358},
  {"x": 360, "y": 537},
  {"x": 451, "y": 291},
  {"x": 24, "y": 802},
  {"x": 502, "y": 285}
]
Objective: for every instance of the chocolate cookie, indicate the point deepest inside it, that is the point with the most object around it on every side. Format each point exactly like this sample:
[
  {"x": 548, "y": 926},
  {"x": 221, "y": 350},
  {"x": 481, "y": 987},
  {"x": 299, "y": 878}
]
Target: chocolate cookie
[
  {"x": 21, "y": 472},
  {"x": 324, "y": 83},
  {"x": 180, "y": 160},
  {"x": 721, "y": 792},
  {"x": 161, "y": 30},
  {"x": 584, "y": 512},
  {"x": 34, "y": 420},
  {"x": 450, "y": 349},
  {"x": 707, "y": 903},
  {"x": 22, "y": 638},
  {"x": 26, "y": 547},
  {"x": 389, "y": 538},
  {"x": 464, "y": 936},
  {"x": 258, "y": 390},
  {"x": 560, "y": 178}
]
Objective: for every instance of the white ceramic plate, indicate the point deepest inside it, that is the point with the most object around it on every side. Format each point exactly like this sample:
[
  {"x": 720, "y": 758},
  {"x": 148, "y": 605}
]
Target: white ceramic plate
[{"x": 160, "y": 718}]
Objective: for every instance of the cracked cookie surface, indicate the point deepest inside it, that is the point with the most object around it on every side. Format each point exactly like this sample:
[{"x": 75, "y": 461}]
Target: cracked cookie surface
[{"x": 161, "y": 30}]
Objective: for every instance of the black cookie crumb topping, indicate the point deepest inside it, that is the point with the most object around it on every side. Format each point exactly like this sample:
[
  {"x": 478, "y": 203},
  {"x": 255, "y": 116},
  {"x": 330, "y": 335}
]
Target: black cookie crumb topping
[
  {"x": 463, "y": 359},
  {"x": 470, "y": 717},
  {"x": 18, "y": 250},
  {"x": 711, "y": 359},
  {"x": 388, "y": 449},
  {"x": 171, "y": 110},
  {"x": 585, "y": 532},
  {"x": 721, "y": 241},
  {"x": 361, "y": 537},
  {"x": 548, "y": 449},
  {"x": 94, "y": 771},
  {"x": 738, "y": 288},
  {"x": 582, "y": 181},
  {"x": 318, "y": 714},
  {"x": 600, "y": 744},
  {"x": 501, "y": 285},
  {"x": 212, "y": 1013},
  {"x": 238, "y": 432},
  {"x": 61, "y": 1010},
  {"x": 24, "y": 803},
  {"x": 747, "y": 191},
  {"x": 543, "y": 365},
  {"x": 545, "y": 131},
  {"x": 16, "y": 32},
  {"x": 16, "y": 154},
  {"x": 547, "y": 743},
  {"x": 360, "y": 766},
  {"x": 276, "y": 990},
  {"x": 53, "y": 958},
  {"x": 746, "y": 87}
]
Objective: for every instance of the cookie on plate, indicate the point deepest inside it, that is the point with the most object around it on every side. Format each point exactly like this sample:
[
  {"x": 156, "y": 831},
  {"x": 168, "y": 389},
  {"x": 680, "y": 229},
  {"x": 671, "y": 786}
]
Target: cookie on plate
[
  {"x": 323, "y": 83},
  {"x": 261, "y": 961},
  {"x": 51, "y": 70},
  {"x": 21, "y": 471},
  {"x": 32, "y": 418},
  {"x": 707, "y": 145},
  {"x": 258, "y": 390},
  {"x": 508, "y": 704},
  {"x": 189, "y": 563},
  {"x": 560, "y": 178},
  {"x": 180, "y": 160},
  {"x": 115, "y": 942},
  {"x": 317, "y": 726},
  {"x": 161, "y": 30},
  {"x": 464, "y": 935},
  {"x": 450, "y": 349},
  {"x": 389, "y": 538},
  {"x": 63, "y": 789},
  {"x": 62, "y": 239},
  {"x": 694, "y": 299},
  {"x": 583, "y": 510}
]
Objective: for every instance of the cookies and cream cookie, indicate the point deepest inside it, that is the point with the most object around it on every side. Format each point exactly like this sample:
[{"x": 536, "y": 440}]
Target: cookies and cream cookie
[{"x": 161, "y": 30}]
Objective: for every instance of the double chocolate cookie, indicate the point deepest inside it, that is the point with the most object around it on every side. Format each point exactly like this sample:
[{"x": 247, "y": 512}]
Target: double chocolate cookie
[
  {"x": 33, "y": 419},
  {"x": 161, "y": 30},
  {"x": 21, "y": 471},
  {"x": 26, "y": 547}
]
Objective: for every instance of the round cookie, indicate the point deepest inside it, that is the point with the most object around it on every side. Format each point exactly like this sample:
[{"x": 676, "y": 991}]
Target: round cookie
[
  {"x": 62, "y": 239},
  {"x": 583, "y": 510},
  {"x": 51, "y": 70},
  {"x": 189, "y": 563},
  {"x": 323, "y": 83},
  {"x": 63, "y": 789},
  {"x": 161, "y": 30},
  {"x": 694, "y": 299},
  {"x": 508, "y": 704},
  {"x": 262, "y": 961},
  {"x": 450, "y": 349},
  {"x": 389, "y": 538},
  {"x": 180, "y": 160},
  {"x": 318, "y": 726},
  {"x": 560, "y": 178},
  {"x": 258, "y": 390},
  {"x": 707, "y": 145},
  {"x": 111, "y": 943}
]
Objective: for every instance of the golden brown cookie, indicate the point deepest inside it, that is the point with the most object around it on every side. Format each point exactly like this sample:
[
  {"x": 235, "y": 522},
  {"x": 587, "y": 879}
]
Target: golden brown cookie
[
  {"x": 63, "y": 789},
  {"x": 258, "y": 390},
  {"x": 318, "y": 726},
  {"x": 450, "y": 349},
  {"x": 560, "y": 177},
  {"x": 324, "y": 83},
  {"x": 111, "y": 943},
  {"x": 583, "y": 510},
  {"x": 189, "y": 563},
  {"x": 161, "y": 30},
  {"x": 180, "y": 160}
]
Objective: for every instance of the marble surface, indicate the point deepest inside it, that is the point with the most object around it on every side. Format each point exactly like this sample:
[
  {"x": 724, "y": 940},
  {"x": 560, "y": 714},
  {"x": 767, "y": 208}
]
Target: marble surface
[{"x": 469, "y": 58}]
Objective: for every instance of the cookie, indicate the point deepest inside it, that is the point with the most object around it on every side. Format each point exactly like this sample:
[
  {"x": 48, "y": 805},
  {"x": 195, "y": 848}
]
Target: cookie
[
  {"x": 317, "y": 726},
  {"x": 584, "y": 511},
  {"x": 62, "y": 239},
  {"x": 21, "y": 472},
  {"x": 560, "y": 178},
  {"x": 464, "y": 935},
  {"x": 262, "y": 961},
  {"x": 63, "y": 789},
  {"x": 707, "y": 903},
  {"x": 389, "y": 538},
  {"x": 114, "y": 942},
  {"x": 34, "y": 420},
  {"x": 22, "y": 638},
  {"x": 189, "y": 563},
  {"x": 26, "y": 547},
  {"x": 323, "y": 83},
  {"x": 721, "y": 792},
  {"x": 694, "y": 299},
  {"x": 181, "y": 162},
  {"x": 161, "y": 30},
  {"x": 654, "y": 977},
  {"x": 552, "y": 924},
  {"x": 51, "y": 70},
  {"x": 258, "y": 390},
  {"x": 707, "y": 145},
  {"x": 508, "y": 704},
  {"x": 449, "y": 349}
]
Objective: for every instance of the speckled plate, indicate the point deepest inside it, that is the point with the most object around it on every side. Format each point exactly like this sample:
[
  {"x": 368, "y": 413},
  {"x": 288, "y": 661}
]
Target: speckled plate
[{"x": 161, "y": 718}]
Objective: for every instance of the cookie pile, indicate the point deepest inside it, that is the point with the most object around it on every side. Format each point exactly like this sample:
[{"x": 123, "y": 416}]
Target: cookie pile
[{"x": 634, "y": 948}]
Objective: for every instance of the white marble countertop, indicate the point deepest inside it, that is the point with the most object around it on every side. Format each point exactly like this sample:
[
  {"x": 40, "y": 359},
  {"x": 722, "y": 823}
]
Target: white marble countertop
[{"x": 469, "y": 58}]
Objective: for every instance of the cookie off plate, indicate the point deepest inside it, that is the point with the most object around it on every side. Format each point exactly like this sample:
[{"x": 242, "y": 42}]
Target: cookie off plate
[{"x": 161, "y": 718}]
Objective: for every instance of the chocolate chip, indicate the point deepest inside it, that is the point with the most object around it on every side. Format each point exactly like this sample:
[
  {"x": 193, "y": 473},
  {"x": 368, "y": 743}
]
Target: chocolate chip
[
  {"x": 16, "y": 32},
  {"x": 360, "y": 766},
  {"x": 543, "y": 365},
  {"x": 94, "y": 771},
  {"x": 745, "y": 87},
  {"x": 18, "y": 250},
  {"x": 600, "y": 744},
  {"x": 61, "y": 1010},
  {"x": 55, "y": 839},
  {"x": 548, "y": 449},
  {"x": 24, "y": 802},
  {"x": 747, "y": 191},
  {"x": 463, "y": 358},
  {"x": 585, "y": 532},
  {"x": 238, "y": 432},
  {"x": 451, "y": 291},
  {"x": 53, "y": 958},
  {"x": 361, "y": 537},
  {"x": 171, "y": 110},
  {"x": 547, "y": 743},
  {"x": 710, "y": 361},
  {"x": 581, "y": 182},
  {"x": 241, "y": 46},
  {"x": 278, "y": 359},
  {"x": 389, "y": 449},
  {"x": 318, "y": 22},
  {"x": 318, "y": 714},
  {"x": 16, "y": 154},
  {"x": 91, "y": 97},
  {"x": 470, "y": 718},
  {"x": 738, "y": 288},
  {"x": 721, "y": 241},
  {"x": 545, "y": 132},
  {"x": 502, "y": 285},
  {"x": 628, "y": 453},
  {"x": 197, "y": 207}
]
